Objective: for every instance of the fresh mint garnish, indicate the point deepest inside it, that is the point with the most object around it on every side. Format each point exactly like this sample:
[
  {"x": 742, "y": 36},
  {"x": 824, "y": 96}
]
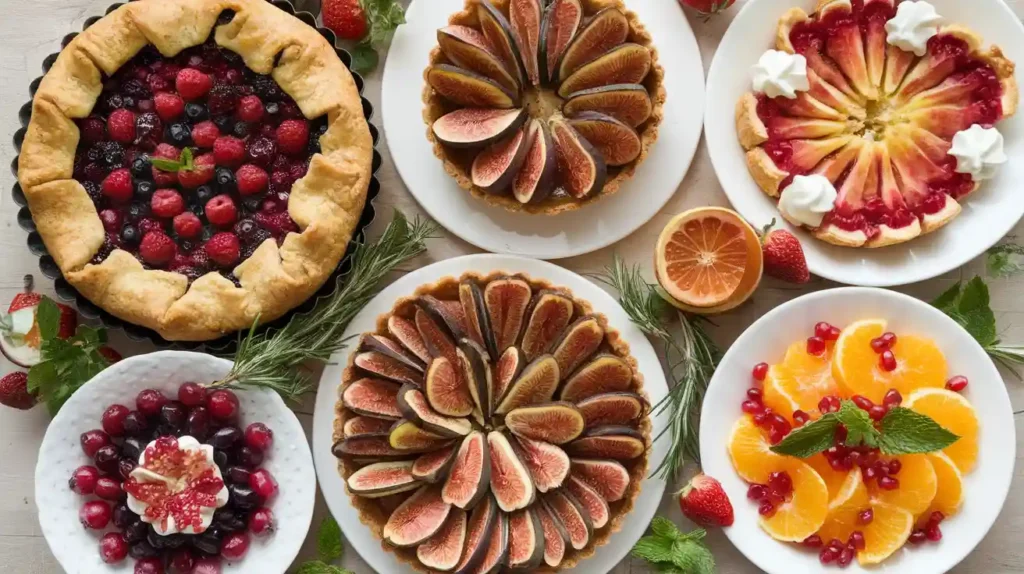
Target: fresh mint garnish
[
  {"x": 183, "y": 163},
  {"x": 330, "y": 549},
  {"x": 968, "y": 304},
  {"x": 907, "y": 432},
  {"x": 672, "y": 551}
]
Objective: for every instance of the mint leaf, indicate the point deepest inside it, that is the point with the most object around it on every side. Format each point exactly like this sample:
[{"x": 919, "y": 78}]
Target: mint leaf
[
  {"x": 48, "y": 319},
  {"x": 1005, "y": 260},
  {"x": 318, "y": 567},
  {"x": 948, "y": 301},
  {"x": 654, "y": 549},
  {"x": 328, "y": 542},
  {"x": 693, "y": 557},
  {"x": 364, "y": 58},
  {"x": 907, "y": 432},
  {"x": 186, "y": 159},
  {"x": 860, "y": 429},
  {"x": 976, "y": 313},
  {"x": 42, "y": 376},
  {"x": 665, "y": 528},
  {"x": 810, "y": 439},
  {"x": 183, "y": 163}
]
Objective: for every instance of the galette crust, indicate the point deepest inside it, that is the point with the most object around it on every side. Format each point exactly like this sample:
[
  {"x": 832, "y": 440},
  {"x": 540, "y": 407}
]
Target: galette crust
[{"x": 326, "y": 203}]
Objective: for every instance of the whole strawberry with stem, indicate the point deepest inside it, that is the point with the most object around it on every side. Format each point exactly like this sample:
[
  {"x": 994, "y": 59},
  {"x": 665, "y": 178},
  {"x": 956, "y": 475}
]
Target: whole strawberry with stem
[
  {"x": 703, "y": 500},
  {"x": 783, "y": 255},
  {"x": 708, "y": 8},
  {"x": 345, "y": 18},
  {"x": 14, "y": 391}
]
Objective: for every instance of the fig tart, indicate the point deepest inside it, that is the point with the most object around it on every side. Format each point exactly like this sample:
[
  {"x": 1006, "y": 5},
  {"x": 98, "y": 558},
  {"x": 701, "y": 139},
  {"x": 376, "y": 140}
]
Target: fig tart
[
  {"x": 889, "y": 91},
  {"x": 543, "y": 107},
  {"x": 193, "y": 165},
  {"x": 492, "y": 421}
]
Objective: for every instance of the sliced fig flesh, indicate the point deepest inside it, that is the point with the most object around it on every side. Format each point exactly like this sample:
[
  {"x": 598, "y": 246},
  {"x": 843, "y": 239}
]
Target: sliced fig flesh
[
  {"x": 414, "y": 406},
  {"x": 625, "y": 64},
  {"x": 510, "y": 365},
  {"x": 366, "y": 447},
  {"x": 554, "y": 537},
  {"x": 365, "y": 425},
  {"x": 469, "y": 89},
  {"x": 481, "y": 522},
  {"x": 628, "y": 103},
  {"x": 437, "y": 337},
  {"x": 446, "y": 389},
  {"x": 477, "y": 127},
  {"x": 535, "y": 385},
  {"x": 498, "y": 31},
  {"x": 556, "y": 423},
  {"x": 549, "y": 317},
  {"x": 476, "y": 370},
  {"x": 478, "y": 323},
  {"x": 418, "y": 518},
  {"x": 526, "y": 540},
  {"x": 567, "y": 510},
  {"x": 525, "y": 17},
  {"x": 580, "y": 341},
  {"x": 536, "y": 178},
  {"x": 604, "y": 374},
  {"x": 617, "y": 142},
  {"x": 608, "y": 441},
  {"x": 382, "y": 479},
  {"x": 507, "y": 300},
  {"x": 608, "y": 477},
  {"x": 467, "y": 48},
  {"x": 561, "y": 21},
  {"x": 404, "y": 331},
  {"x": 470, "y": 475},
  {"x": 591, "y": 500},
  {"x": 383, "y": 366},
  {"x": 495, "y": 168},
  {"x": 510, "y": 479},
  {"x": 405, "y": 435},
  {"x": 607, "y": 29},
  {"x": 443, "y": 550},
  {"x": 431, "y": 467},
  {"x": 617, "y": 408},
  {"x": 390, "y": 348},
  {"x": 497, "y": 546},
  {"x": 446, "y": 314},
  {"x": 373, "y": 398},
  {"x": 581, "y": 168},
  {"x": 548, "y": 464}
]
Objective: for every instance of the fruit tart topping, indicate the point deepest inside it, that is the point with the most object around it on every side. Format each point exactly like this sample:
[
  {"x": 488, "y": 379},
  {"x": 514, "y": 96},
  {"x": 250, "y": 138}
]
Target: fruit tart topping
[
  {"x": 780, "y": 74},
  {"x": 913, "y": 25}
]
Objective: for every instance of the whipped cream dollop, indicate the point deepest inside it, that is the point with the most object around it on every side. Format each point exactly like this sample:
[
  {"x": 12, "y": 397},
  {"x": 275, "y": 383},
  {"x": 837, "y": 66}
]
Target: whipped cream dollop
[
  {"x": 176, "y": 483},
  {"x": 807, "y": 200},
  {"x": 978, "y": 151},
  {"x": 913, "y": 25},
  {"x": 781, "y": 74}
]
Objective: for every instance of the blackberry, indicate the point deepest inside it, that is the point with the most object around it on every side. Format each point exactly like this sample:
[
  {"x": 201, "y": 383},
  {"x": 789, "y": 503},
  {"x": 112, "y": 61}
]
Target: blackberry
[
  {"x": 223, "y": 99},
  {"x": 314, "y": 138},
  {"x": 208, "y": 233},
  {"x": 136, "y": 89},
  {"x": 240, "y": 130},
  {"x": 141, "y": 167},
  {"x": 128, "y": 101},
  {"x": 190, "y": 272},
  {"x": 196, "y": 112},
  {"x": 92, "y": 189},
  {"x": 113, "y": 101},
  {"x": 108, "y": 153},
  {"x": 247, "y": 250},
  {"x": 266, "y": 88},
  {"x": 259, "y": 236},
  {"x": 144, "y": 189},
  {"x": 108, "y": 247},
  {"x": 179, "y": 134}
]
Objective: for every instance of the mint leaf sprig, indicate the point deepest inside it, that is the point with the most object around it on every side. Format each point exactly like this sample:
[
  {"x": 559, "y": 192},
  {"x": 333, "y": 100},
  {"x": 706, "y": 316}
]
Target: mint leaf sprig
[
  {"x": 969, "y": 305},
  {"x": 902, "y": 431},
  {"x": 1005, "y": 260},
  {"x": 382, "y": 18},
  {"x": 672, "y": 551},
  {"x": 185, "y": 162},
  {"x": 330, "y": 548}
]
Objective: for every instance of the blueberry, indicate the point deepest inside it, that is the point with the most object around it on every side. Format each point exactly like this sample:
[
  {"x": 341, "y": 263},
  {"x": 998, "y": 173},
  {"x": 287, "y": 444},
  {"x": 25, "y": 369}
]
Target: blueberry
[
  {"x": 136, "y": 531},
  {"x": 141, "y": 550},
  {"x": 123, "y": 517},
  {"x": 244, "y": 229},
  {"x": 196, "y": 112},
  {"x": 203, "y": 193},
  {"x": 141, "y": 166},
  {"x": 273, "y": 108},
  {"x": 252, "y": 204},
  {"x": 225, "y": 437},
  {"x": 132, "y": 448},
  {"x": 225, "y": 179},
  {"x": 224, "y": 124},
  {"x": 144, "y": 189},
  {"x": 179, "y": 134},
  {"x": 186, "y": 245},
  {"x": 240, "y": 129},
  {"x": 138, "y": 210}
]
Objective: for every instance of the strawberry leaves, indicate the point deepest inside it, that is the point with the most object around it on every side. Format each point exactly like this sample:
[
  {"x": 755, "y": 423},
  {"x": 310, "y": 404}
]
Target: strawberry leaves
[
  {"x": 382, "y": 18},
  {"x": 670, "y": 550},
  {"x": 184, "y": 162}
]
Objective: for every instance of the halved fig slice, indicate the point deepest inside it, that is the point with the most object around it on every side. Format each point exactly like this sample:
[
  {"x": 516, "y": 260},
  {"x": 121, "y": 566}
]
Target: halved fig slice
[
  {"x": 568, "y": 511},
  {"x": 535, "y": 385},
  {"x": 510, "y": 479},
  {"x": 373, "y": 398},
  {"x": 446, "y": 389},
  {"x": 617, "y": 408},
  {"x": 607, "y": 29},
  {"x": 556, "y": 423},
  {"x": 608, "y": 477},
  {"x": 382, "y": 479},
  {"x": 625, "y": 64},
  {"x": 561, "y": 21},
  {"x": 510, "y": 365},
  {"x": 580, "y": 341},
  {"x": 526, "y": 540},
  {"x": 470, "y": 475},
  {"x": 433, "y": 466},
  {"x": 536, "y": 178},
  {"x": 405, "y": 435},
  {"x": 550, "y": 315},
  {"x": 366, "y": 447},
  {"x": 498, "y": 32},
  {"x": 414, "y": 406},
  {"x": 608, "y": 441},
  {"x": 604, "y": 374},
  {"x": 554, "y": 537},
  {"x": 478, "y": 322},
  {"x": 477, "y": 127},
  {"x": 467, "y": 48},
  {"x": 481, "y": 522},
  {"x": 495, "y": 168},
  {"x": 581, "y": 168},
  {"x": 548, "y": 464},
  {"x": 476, "y": 370},
  {"x": 618, "y": 142},
  {"x": 591, "y": 500},
  {"x": 365, "y": 425},
  {"x": 436, "y": 335},
  {"x": 389, "y": 348},
  {"x": 497, "y": 546},
  {"x": 383, "y": 366},
  {"x": 628, "y": 103},
  {"x": 418, "y": 518},
  {"x": 507, "y": 300},
  {"x": 443, "y": 550},
  {"x": 404, "y": 331},
  {"x": 447, "y": 314},
  {"x": 469, "y": 89},
  {"x": 525, "y": 18}
]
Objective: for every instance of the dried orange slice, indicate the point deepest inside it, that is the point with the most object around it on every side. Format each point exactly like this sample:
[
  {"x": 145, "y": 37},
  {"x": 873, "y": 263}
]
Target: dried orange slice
[
  {"x": 955, "y": 414},
  {"x": 799, "y": 381},
  {"x": 949, "y": 492},
  {"x": 843, "y": 509},
  {"x": 750, "y": 454},
  {"x": 918, "y": 485},
  {"x": 887, "y": 532},
  {"x": 855, "y": 366},
  {"x": 804, "y": 513},
  {"x": 708, "y": 259}
]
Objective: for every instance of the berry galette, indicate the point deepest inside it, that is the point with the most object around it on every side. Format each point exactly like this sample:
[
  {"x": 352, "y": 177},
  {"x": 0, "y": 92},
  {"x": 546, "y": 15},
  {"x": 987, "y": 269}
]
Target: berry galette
[{"x": 193, "y": 165}]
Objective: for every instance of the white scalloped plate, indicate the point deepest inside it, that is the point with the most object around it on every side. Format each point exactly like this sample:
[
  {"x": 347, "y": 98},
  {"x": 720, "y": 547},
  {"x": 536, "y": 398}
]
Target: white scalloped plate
[
  {"x": 331, "y": 483},
  {"x": 289, "y": 460}
]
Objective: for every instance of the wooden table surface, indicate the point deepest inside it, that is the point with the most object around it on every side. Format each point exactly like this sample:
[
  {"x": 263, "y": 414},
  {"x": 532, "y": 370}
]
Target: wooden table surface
[{"x": 29, "y": 31}]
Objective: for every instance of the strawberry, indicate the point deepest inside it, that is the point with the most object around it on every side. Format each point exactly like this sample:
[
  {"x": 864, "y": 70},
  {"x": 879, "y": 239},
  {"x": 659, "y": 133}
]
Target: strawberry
[
  {"x": 14, "y": 391},
  {"x": 708, "y": 7},
  {"x": 110, "y": 354},
  {"x": 704, "y": 501},
  {"x": 784, "y": 256},
  {"x": 23, "y": 301},
  {"x": 345, "y": 18},
  {"x": 68, "y": 322}
]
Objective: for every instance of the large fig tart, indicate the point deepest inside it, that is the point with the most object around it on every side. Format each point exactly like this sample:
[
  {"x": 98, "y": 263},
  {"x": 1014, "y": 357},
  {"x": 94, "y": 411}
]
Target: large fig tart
[
  {"x": 543, "y": 107},
  {"x": 192, "y": 165},
  {"x": 492, "y": 421}
]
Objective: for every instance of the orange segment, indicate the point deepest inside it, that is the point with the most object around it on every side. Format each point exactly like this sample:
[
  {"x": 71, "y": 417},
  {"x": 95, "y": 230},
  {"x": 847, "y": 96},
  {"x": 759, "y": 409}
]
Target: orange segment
[
  {"x": 886, "y": 533},
  {"x": 949, "y": 493},
  {"x": 955, "y": 414},
  {"x": 850, "y": 500},
  {"x": 918, "y": 485},
  {"x": 799, "y": 382},
  {"x": 750, "y": 454},
  {"x": 805, "y": 512},
  {"x": 919, "y": 362},
  {"x": 834, "y": 479}
]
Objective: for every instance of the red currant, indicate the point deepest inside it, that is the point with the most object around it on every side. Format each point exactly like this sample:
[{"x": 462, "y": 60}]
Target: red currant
[
  {"x": 95, "y": 514},
  {"x": 92, "y": 441},
  {"x": 261, "y": 522},
  {"x": 150, "y": 401},
  {"x": 192, "y": 394}
]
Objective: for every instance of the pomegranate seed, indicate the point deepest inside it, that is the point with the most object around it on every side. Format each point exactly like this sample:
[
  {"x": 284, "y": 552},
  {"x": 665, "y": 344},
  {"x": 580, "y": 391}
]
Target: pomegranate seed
[
  {"x": 893, "y": 398},
  {"x": 933, "y": 532},
  {"x": 261, "y": 522},
  {"x": 755, "y": 395},
  {"x": 113, "y": 419},
  {"x": 757, "y": 492},
  {"x": 845, "y": 557},
  {"x": 92, "y": 441},
  {"x": 881, "y": 468},
  {"x": 192, "y": 394},
  {"x": 957, "y": 383},
  {"x": 822, "y": 330},
  {"x": 752, "y": 407},
  {"x": 836, "y": 545},
  {"x": 853, "y": 458},
  {"x": 780, "y": 482},
  {"x": 833, "y": 333},
  {"x": 827, "y": 556},
  {"x": 108, "y": 488},
  {"x": 936, "y": 517},
  {"x": 918, "y": 536},
  {"x": 856, "y": 540},
  {"x": 95, "y": 514},
  {"x": 895, "y": 466},
  {"x": 780, "y": 422},
  {"x": 766, "y": 509},
  {"x": 862, "y": 402},
  {"x": 800, "y": 417},
  {"x": 837, "y": 464},
  {"x": 815, "y": 346},
  {"x": 841, "y": 433},
  {"x": 866, "y": 516},
  {"x": 888, "y": 483},
  {"x": 870, "y": 473},
  {"x": 760, "y": 371},
  {"x": 83, "y": 480},
  {"x": 823, "y": 405},
  {"x": 877, "y": 412},
  {"x": 813, "y": 541},
  {"x": 877, "y": 345},
  {"x": 888, "y": 339},
  {"x": 887, "y": 361},
  {"x": 235, "y": 545},
  {"x": 113, "y": 547},
  {"x": 775, "y": 435},
  {"x": 263, "y": 483},
  {"x": 761, "y": 417}
]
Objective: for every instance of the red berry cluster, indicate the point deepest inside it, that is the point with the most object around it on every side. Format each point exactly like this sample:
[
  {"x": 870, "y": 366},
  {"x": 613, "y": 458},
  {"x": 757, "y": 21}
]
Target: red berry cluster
[
  {"x": 776, "y": 425},
  {"x": 824, "y": 333},
  {"x": 769, "y": 496}
]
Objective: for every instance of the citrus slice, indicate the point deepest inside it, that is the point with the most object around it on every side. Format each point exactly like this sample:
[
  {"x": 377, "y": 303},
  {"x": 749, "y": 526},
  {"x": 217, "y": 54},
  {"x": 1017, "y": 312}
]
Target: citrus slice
[
  {"x": 709, "y": 259},
  {"x": 918, "y": 485},
  {"x": 750, "y": 454},
  {"x": 834, "y": 479},
  {"x": 843, "y": 509},
  {"x": 887, "y": 532},
  {"x": 955, "y": 414},
  {"x": 949, "y": 493},
  {"x": 804, "y": 513},
  {"x": 799, "y": 381},
  {"x": 855, "y": 366}
]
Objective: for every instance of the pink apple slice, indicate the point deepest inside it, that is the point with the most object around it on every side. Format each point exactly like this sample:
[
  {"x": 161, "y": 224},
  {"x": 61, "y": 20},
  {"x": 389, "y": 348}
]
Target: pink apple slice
[
  {"x": 785, "y": 128},
  {"x": 807, "y": 154},
  {"x": 798, "y": 34},
  {"x": 946, "y": 53},
  {"x": 946, "y": 121},
  {"x": 833, "y": 166},
  {"x": 845, "y": 46},
  {"x": 914, "y": 168},
  {"x": 874, "y": 15},
  {"x": 851, "y": 189},
  {"x": 932, "y": 146},
  {"x": 957, "y": 89},
  {"x": 832, "y": 97},
  {"x": 889, "y": 189},
  {"x": 806, "y": 106},
  {"x": 897, "y": 64}
]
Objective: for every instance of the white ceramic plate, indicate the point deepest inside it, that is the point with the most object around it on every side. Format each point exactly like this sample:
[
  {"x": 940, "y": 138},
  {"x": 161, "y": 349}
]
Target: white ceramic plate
[
  {"x": 331, "y": 482},
  {"x": 987, "y": 216},
  {"x": 766, "y": 340},
  {"x": 289, "y": 460},
  {"x": 543, "y": 237}
]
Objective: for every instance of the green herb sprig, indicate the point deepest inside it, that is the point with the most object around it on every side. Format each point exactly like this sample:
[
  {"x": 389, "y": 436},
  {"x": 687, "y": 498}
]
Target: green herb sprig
[
  {"x": 382, "y": 18},
  {"x": 185, "y": 162},
  {"x": 330, "y": 548},
  {"x": 968, "y": 303},
  {"x": 672, "y": 551}
]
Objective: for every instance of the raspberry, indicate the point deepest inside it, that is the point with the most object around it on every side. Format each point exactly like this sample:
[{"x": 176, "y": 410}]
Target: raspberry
[
  {"x": 157, "y": 84},
  {"x": 223, "y": 249},
  {"x": 165, "y": 178},
  {"x": 167, "y": 203},
  {"x": 148, "y": 224},
  {"x": 293, "y": 136},
  {"x": 111, "y": 220},
  {"x": 220, "y": 210},
  {"x": 121, "y": 126},
  {"x": 205, "y": 134},
  {"x": 261, "y": 151},
  {"x": 229, "y": 151},
  {"x": 200, "y": 259},
  {"x": 187, "y": 225},
  {"x": 168, "y": 106},
  {"x": 222, "y": 100},
  {"x": 118, "y": 185},
  {"x": 201, "y": 174},
  {"x": 278, "y": 224},
  {"x": 167, "y": 151},
  {"x": 157, "y": 248},
  {"x": 93, "y": 130},
  {"x": 251, "y": 179},
  {"x": 250, "y": 109},
  {"x": 192, "y": 84}
]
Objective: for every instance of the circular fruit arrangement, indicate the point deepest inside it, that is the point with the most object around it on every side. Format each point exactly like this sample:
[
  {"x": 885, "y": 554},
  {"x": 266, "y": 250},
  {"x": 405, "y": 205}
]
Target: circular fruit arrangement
[
  {"x": 180, "y": 482},
  {"x": 543, "y": 108},
  {"x": 492, "y": 420}
]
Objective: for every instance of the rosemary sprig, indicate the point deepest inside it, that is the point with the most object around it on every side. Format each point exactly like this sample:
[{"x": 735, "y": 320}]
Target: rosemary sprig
[
  {"x": 690, "y": 358},
  {"x": 275, "y": 359}
]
